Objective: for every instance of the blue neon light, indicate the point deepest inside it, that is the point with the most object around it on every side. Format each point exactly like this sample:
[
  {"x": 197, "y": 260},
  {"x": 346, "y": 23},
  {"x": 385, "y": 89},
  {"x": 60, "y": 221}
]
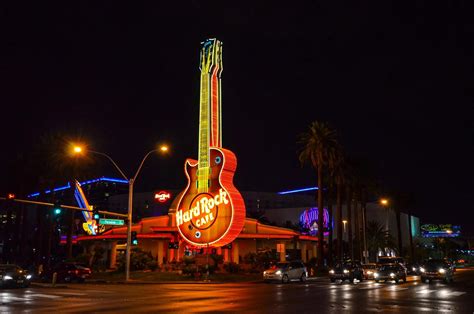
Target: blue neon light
[
  {"x": 299, "y": 190},
  {"x": 114, "y": 180},
  {"x": 68, "y": 186}
]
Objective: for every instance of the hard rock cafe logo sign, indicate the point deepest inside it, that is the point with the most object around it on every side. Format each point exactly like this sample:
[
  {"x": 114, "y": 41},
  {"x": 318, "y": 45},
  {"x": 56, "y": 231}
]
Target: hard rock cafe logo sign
[
  {"x": 203, "y": 210},
  {"x": 162, "y": 196}
]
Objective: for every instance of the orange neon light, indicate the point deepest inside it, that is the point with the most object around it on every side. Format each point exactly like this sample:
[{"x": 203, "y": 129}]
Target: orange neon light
[{"x": 210, "y": 210}]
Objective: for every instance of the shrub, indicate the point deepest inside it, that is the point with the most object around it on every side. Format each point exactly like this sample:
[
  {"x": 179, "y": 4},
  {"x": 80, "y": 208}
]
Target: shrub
[
  {"x": 139, "y": 260},
  {"x": 231, "y": 267}
]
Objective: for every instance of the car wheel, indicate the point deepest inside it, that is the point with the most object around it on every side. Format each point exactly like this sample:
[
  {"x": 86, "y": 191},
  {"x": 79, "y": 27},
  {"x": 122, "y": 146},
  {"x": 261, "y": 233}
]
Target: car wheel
[
  {"x": 376, "y": 280},
  {"x": 303, "y": 277},
  {"x": 405, "y": 279},
  {"x": 396, "y": 280},
  {"x": 333, "y": 279},
  {"x": 423, "y": 279},
  {"x": 285, "y": 279}
]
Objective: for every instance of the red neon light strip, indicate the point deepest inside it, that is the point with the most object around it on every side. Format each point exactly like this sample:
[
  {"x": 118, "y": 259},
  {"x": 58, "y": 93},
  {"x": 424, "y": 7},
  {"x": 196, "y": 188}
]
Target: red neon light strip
[{"x": 215, "y": 140}]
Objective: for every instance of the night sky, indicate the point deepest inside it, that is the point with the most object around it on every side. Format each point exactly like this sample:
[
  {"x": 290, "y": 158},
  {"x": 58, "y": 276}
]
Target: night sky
[{"x": 394, "y": 79}]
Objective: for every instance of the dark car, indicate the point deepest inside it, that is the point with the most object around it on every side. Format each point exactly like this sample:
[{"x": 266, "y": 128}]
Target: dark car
[
  {"x": 68, "y": 272},
  {"x": 346, "y": 271},
  {"x": 413, "y": 269},
  {"x": 286, "y": 271},
  {"x": 395, "y": 272},
  {"x": 436, "y": 269},
  {"x": 14, "y": 276}
]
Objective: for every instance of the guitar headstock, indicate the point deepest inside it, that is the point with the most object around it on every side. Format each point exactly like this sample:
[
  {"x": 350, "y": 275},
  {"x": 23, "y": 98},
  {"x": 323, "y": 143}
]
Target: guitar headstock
[{"x": 211, "y": 55}]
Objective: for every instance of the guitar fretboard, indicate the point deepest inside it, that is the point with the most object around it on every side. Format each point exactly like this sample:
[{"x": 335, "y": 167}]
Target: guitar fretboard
[{"x": 210, "y": 108}]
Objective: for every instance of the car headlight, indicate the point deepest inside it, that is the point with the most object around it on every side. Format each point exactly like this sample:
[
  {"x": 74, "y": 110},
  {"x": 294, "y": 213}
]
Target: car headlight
[
  {"x": 422, "y": 269},
  {"x": 345, "y": 271},
  {"x": 392, "y": 275},
  {"x": 7, "y": 277},
  {"x": 28, "y": 277},
  {"x": 376, "y": 274},
  {"x": 370, "y": 272},
  {"x": 331, "y": 271},
  {"x": 278, "y": 272},
  {"x": 264, "y": 273},
  {"x": 442, "y": 270},
  {"x": 414, "y": 269}
]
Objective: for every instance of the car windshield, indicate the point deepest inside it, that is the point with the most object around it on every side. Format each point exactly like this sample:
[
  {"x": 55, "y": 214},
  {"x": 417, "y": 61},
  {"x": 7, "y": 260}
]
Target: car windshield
[
  {"x": 369, "y": 266},
  {"x": 389, "y": 267},
  {"x": 343, "y": 265},
  {"x": 436, "y": 263},
  {"x": 282, "y": 265}
]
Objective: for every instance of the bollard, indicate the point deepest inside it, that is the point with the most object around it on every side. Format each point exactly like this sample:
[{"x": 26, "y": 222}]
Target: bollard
[{"x": 55, "y": 275}]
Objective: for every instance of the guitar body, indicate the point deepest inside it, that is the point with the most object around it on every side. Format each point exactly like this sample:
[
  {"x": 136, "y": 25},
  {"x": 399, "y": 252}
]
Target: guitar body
[{"x": 212, "y": 215}]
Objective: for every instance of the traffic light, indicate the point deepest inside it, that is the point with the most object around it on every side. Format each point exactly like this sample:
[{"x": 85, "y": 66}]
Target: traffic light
[
  {"x": 134, "y": 238},
  {"x": 57, "y": 207},
  {"x": 95, "y": 213}
]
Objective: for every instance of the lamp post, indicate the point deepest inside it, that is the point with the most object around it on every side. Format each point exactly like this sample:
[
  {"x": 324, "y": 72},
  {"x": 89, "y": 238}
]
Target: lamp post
[
  {"x": 384, "y": 203},
  {"x": 344, "y": 235},
  {"x": 131, "y": 181}
]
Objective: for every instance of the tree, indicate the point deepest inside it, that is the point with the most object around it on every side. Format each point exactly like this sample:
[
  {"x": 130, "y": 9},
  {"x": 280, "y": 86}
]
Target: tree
[
  {"x": 319, "y": 144},
  {"x": 51, "y": 164},
  {"x": 378, "y": 238}
]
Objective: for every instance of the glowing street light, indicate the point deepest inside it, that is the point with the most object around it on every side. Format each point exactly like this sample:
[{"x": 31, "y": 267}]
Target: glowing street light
[
  {"x": 384, "y": 201},
  {"x": 163, "y": 149},
  {"x": 345, "y": 223}
]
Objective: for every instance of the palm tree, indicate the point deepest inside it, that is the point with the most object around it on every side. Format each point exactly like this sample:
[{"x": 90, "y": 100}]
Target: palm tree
[
  {"x": 318, "y": 143},
  {"x": 378, "y": 238}
]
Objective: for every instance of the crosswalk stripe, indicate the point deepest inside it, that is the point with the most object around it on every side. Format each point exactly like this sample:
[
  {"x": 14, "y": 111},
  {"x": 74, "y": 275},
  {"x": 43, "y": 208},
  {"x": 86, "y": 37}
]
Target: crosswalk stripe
[
  {"x": 425, "y": 291},
  {"x": 70, "y": 293},
  {"x": 5, "y": 299},
  {"x": 457, "y": 293},
  {"x": 49, "y": 296}
]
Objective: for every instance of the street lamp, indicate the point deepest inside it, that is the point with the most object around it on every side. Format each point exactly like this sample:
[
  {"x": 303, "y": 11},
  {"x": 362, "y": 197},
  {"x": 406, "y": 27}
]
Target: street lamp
[
  {"x": 344, "y": 222},
  {"x": 131, "y": 181}
]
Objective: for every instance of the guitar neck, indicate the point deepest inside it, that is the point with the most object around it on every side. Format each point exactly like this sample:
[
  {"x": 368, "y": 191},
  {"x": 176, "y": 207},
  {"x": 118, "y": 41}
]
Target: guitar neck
[
  {"x": 210, "y": 108},
  {"x": 203, "y": 165}
]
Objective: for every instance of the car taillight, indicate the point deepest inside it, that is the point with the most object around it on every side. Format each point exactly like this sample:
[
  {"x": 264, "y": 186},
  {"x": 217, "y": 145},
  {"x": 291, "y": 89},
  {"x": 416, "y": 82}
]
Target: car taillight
[{"x": 76, "y": 271}]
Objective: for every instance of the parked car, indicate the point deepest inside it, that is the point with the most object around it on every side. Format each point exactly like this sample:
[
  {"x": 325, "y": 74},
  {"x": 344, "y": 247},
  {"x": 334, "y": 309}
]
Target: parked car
[
  {"x": 436, "y": 269},
  {"x": 68, "y": 272},
  {"x": 347, "y": 270},
  {"x": 369, "y": 270},
  {"x": 286, "y": 271},
  {"x": 390, "y": 272},
  {"x": 14, "y": 276}
]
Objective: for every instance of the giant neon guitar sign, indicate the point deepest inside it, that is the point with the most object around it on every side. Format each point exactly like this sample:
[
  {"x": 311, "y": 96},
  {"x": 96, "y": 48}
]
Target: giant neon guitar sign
[{"x": 210, "y": 210}]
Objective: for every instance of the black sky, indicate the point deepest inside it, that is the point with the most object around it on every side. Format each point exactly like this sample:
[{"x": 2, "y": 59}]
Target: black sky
[{"x": 395, "y": 79}]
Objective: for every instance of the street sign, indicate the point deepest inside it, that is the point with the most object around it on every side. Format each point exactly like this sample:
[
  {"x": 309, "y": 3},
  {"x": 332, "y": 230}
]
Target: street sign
[{"x": 113, "y": 222}]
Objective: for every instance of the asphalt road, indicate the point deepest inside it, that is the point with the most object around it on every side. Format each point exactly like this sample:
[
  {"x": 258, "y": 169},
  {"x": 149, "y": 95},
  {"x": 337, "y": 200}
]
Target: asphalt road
[{"x": 319, "y": 296}]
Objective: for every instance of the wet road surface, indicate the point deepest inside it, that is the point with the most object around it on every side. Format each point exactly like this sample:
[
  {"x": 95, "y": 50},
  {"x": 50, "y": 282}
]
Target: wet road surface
[{"x": 319, "y": 296}]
